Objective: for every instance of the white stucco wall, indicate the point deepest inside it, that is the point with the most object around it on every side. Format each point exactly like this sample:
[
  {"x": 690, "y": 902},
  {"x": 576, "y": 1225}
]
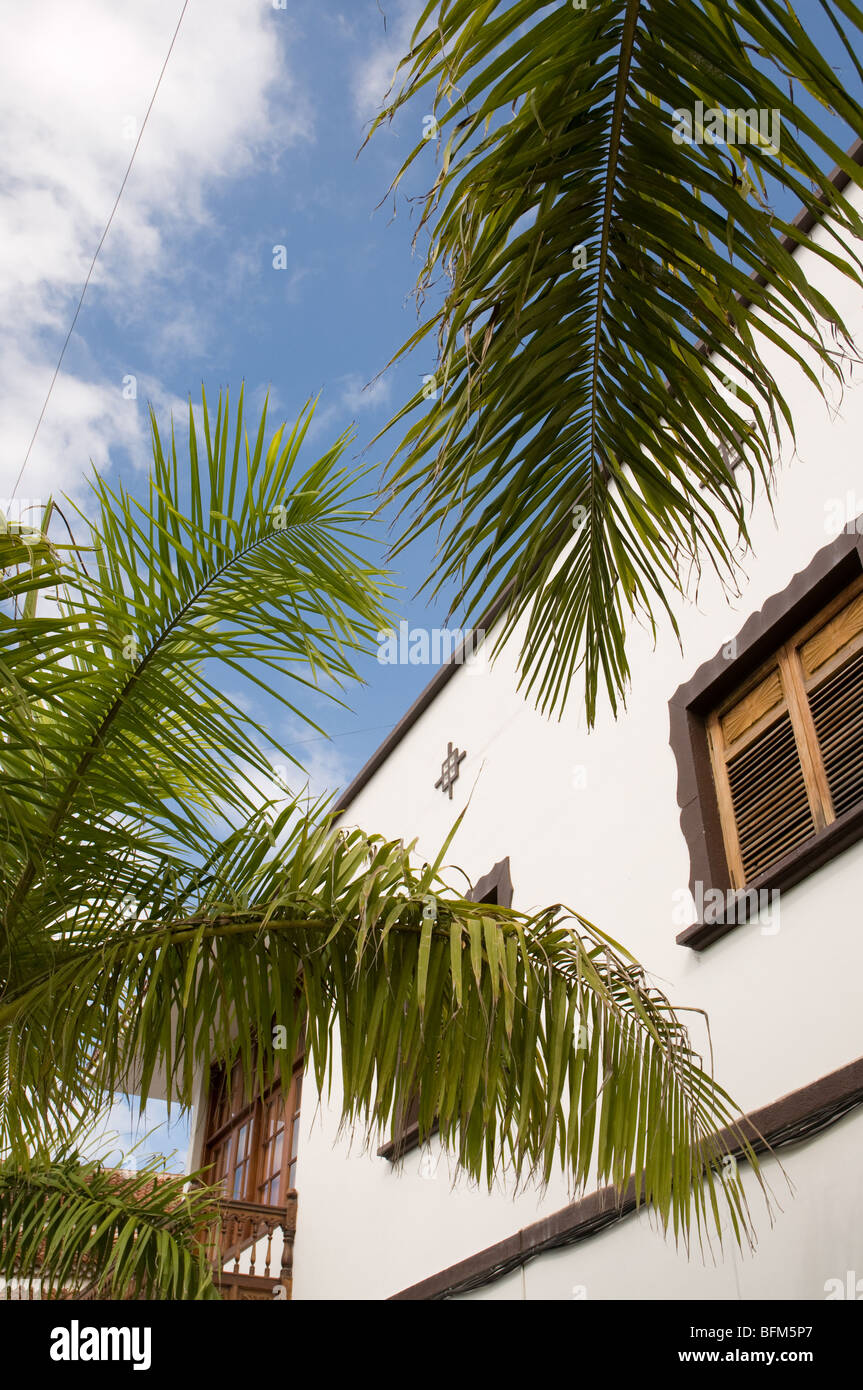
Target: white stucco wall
[
  {"x": 814, "y": 1239},
  {"x": 784, "y": 1007}
]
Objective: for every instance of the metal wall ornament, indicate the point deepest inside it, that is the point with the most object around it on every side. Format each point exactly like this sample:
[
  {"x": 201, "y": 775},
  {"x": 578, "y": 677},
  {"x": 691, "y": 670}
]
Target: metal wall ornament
[{"x": 450, "y": 769}]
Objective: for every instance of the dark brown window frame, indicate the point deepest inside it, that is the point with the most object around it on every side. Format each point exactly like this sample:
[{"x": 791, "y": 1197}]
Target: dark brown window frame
[
  {"x": 833, "y": 568},
  {"x": 406, "y": 1135},
  {"x": 253, "y": 1113}
]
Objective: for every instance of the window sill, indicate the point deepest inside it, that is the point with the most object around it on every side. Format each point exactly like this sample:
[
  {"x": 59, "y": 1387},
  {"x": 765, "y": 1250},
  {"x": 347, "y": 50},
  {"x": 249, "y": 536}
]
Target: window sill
[
  {"x": 407, "y": 1140},
  {"x": 819, "y": 850}
]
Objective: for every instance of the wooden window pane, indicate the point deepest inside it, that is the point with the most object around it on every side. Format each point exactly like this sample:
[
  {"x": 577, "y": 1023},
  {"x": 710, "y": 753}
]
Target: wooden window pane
[
  {"x": 833, "y": 637},
  {"x": 772, "y": 813},
  {"x": 238, "y": 1191},
  {"x": 766, "y": 697},
  {"x": 837, "y": 712},
  {"x": 251, "y": 1137}
]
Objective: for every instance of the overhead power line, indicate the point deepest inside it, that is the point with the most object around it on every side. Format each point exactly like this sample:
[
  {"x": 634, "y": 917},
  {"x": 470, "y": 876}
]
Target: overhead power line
[
  {"x": 346, "y": 733},
  {"x": 98, "y": 249}
]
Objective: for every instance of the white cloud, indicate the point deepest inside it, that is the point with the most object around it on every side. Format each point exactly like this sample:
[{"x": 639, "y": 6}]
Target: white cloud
[
  {"x": 357, "y": 395},
  {"x": 326, "y": 767},
  {"x": 374, "y": 75},
  {"x": 323, "y": 767},
  {"x": 347, "y": 398},
  {"x": 75, "y": 82},
  {"x": 127, "y": 1137}
]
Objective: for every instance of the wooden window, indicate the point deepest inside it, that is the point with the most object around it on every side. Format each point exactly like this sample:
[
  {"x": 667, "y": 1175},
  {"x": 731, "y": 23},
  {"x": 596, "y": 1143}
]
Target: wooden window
[
  {"x": 293, "y": 1129},
  {"x": 787, "y": 747},
  {"x": 252, "y": 1143}
]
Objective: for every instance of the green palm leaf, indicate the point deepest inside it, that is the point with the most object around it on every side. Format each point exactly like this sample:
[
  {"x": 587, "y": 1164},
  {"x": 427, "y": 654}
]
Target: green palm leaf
[
  {"x": 122, "y": 752},
  {"x": 599, "y": 300},
  {"x": 533, "y": 1041},
  {"x": 76, "y": 1227}
]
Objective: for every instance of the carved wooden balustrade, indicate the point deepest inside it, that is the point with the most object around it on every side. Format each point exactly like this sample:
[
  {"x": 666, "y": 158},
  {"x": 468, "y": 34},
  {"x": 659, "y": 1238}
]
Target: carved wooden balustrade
[
  {"x": 20, "y": 1290},
  {"x": 242, "y": 1249}
]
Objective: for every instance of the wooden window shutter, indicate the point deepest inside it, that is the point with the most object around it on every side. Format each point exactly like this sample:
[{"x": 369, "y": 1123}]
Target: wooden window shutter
[
  {"x": 832, "y": 665},
  {"x": 787, "y": 748},
  {"x": 764, "y": 805}
]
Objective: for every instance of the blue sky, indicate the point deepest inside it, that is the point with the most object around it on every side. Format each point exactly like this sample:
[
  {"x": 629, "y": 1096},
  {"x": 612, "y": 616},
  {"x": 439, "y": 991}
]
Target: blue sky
[
  {"x": 252, "y": 144},
  {"x": 126, "y": 1138}
]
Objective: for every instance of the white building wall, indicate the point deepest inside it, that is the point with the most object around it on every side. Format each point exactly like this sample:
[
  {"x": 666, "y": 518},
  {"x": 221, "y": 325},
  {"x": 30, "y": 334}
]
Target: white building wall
[
  {"x": 784, "y": 1007},
  {"x": 813, "y": 1243}
]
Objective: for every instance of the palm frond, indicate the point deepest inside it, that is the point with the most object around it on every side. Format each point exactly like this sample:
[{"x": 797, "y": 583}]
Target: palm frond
[
  {"x": 534, "y": 1041},
  {"x": 75, "y": 1227},
  {"x": 121, "y": 743},
  {"x": 601, "y": 339}
]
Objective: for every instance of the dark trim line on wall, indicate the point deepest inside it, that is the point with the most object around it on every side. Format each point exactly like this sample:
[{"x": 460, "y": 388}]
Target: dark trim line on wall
[
  {"x": 833, "y": 568},
  {"x": 800, "y": 1115},
  {"x": 395, "y": 1149},
  {"x": 806, "y": 220}
]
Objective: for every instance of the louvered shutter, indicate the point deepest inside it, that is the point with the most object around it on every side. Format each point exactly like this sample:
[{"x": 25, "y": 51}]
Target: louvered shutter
[
  {"x": 787, "y": 750},
  {"x": 763, "y": 795},
  {"x": 832, "y": 663}
]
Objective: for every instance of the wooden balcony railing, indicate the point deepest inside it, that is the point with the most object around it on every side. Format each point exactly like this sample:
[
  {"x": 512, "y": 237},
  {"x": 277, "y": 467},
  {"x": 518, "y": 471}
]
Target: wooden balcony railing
[
  {"x": 20, "y": 1290},
  {"x": 252, "y": 1249}
]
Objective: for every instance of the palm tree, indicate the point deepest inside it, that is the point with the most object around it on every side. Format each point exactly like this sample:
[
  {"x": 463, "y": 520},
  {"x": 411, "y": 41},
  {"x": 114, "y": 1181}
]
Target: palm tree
[
  {"x": 611, "y": 274},
  {"x": 159, "y": 912}
]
